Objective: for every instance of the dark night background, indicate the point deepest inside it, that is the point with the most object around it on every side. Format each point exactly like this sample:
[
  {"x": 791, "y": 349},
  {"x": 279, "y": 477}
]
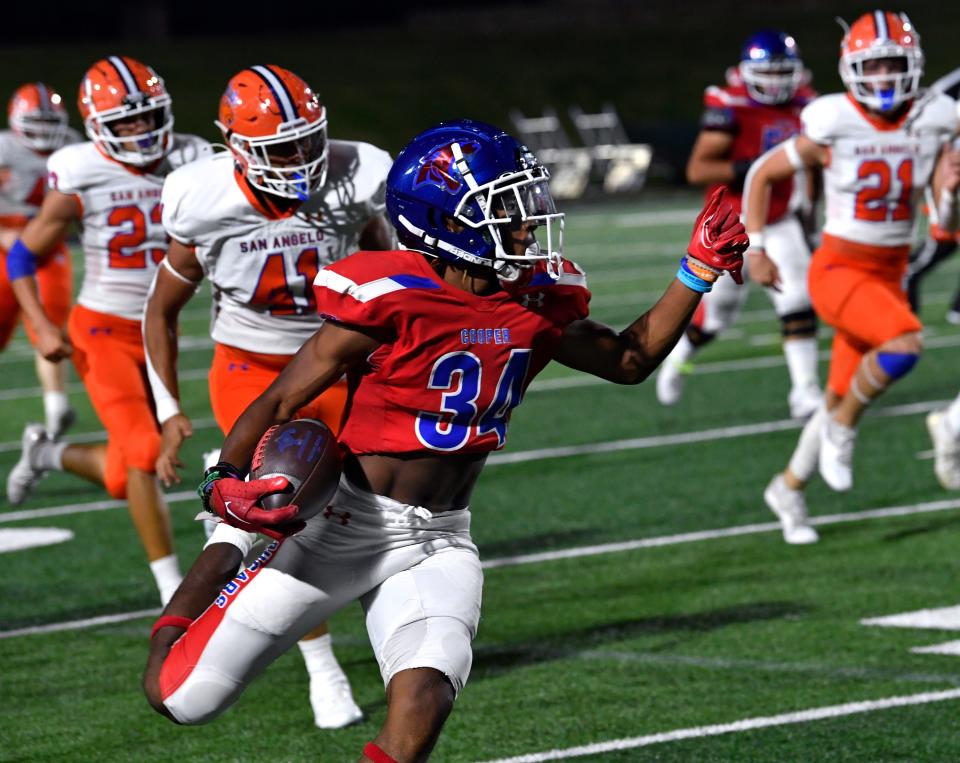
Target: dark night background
[{"x": 386, "y": 71}]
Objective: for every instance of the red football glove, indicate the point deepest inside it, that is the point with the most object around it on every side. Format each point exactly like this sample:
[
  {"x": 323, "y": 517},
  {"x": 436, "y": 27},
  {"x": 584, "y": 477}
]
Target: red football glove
[
  {"x": 719, "y": 238},
  {"x": 235, "y": 502}
]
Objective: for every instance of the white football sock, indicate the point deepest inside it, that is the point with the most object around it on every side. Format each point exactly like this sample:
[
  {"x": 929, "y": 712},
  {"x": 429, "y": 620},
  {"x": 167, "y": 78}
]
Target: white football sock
[
  {"x": 55, "y": 405},
  {"x": 953, "y": 417},
  {"x": 801, "y": 356},
  {"x": 803, "y": 462},
  {"x": 319, "y": 657},
  {"x": 166, "y": 571},
  {"x": 49, "y": 455}
]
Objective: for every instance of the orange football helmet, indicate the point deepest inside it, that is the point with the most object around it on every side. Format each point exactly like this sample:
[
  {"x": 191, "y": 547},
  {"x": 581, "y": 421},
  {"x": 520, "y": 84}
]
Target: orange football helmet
[
  {"x": 119, "y": 89},
  {"x": 881, "y": 34},
  {"x": 37, "y": 117},
  {"x": 276, "y": 128}
]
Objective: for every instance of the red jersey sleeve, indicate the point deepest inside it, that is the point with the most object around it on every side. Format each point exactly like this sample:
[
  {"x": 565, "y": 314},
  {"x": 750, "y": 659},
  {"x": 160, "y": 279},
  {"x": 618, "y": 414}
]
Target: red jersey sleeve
[{"x": 367, "y": 288}]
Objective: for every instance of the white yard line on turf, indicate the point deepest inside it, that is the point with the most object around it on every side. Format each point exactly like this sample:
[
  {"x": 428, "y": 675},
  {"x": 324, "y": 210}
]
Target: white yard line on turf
[
  {"x": 538, "y": 454},
  {"x": 577, "y": 552},
  {"x": 747, "y": 724},
  {"x": 74, "y": 625}
]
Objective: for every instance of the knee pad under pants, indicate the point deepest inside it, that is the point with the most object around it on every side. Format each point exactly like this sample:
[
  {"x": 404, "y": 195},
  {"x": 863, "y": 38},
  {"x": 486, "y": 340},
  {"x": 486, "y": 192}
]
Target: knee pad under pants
[
  {"x": 238, "y": 377},
  {"x": 109, "y": 359}
]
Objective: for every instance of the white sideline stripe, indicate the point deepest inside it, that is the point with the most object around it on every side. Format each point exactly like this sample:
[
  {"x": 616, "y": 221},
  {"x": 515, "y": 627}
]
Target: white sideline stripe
[
  {"x": 640, "y": 443},
  {"x": 572, "y": 553},
  {"x": 32, "y": 537},
  {"x": 74, "y": 625},
  {"x": 724, "y": 532},
  {"x": 747, "y": 724}
]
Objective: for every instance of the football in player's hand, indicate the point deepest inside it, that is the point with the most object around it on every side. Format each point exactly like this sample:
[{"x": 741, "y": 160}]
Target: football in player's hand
[{"x": 304, "y": 451}]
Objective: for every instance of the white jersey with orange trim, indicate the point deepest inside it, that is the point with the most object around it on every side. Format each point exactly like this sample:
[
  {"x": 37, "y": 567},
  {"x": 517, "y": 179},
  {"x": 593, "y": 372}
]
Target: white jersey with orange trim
[
  {"x": 262, "y": 269},
  {"x": 23, "y": 178},
  {"x": 877, "y": 172},
  {"x": 123, "y": 238}
]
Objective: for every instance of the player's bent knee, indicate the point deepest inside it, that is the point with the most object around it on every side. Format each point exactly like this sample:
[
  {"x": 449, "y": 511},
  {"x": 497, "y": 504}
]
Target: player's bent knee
[
  {"x": 201, "y": 698},
  {"x": 142, "y": 451},
  {"x": 896, "y": 365},
  {"x": 440, "y": 643},
  {"x": 798, "y": 323}
]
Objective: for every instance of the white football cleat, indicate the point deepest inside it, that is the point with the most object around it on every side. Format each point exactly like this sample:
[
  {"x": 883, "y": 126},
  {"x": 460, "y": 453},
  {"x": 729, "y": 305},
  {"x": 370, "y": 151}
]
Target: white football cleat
[
  {"x": 946, "y": 450},
  {"x": 836, "y": 454},
  {"x": 791, "y": 509},
  {"x": 804, "y": 401},
  {"x": 332, "y": 701},
  {"x": 25, "y": 474},
  {"x": 670, "y": 381}
]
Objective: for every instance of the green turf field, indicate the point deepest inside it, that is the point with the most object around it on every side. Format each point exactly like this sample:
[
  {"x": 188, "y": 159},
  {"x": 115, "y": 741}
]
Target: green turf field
[{"x": 691, "y": 631}]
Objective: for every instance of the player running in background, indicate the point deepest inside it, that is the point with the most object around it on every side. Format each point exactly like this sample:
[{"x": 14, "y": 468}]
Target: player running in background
[
  {"x": 940, "y": 243},
  {"x": 758, "y": 109},
  {"x": 38, "y": 127},
  {"x": 880, "y": 144},
  {"x": 440, "y": 340},
  {"x": 111, "y": 185},
  {"x": 260, "y": 222}
]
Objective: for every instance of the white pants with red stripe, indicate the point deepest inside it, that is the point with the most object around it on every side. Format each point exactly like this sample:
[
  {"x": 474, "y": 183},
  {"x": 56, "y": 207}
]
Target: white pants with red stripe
[
  {"x": 786, "y": 246},
  {"x": 416, "y": 574}
]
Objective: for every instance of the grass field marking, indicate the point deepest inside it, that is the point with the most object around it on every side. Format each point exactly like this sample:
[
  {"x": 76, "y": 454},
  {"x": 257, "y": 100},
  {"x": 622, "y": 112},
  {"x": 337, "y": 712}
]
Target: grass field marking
[
  {"x": 651, "y": 219},
  {"x": 99, "y": 435},
  {"x": 747, "y": 724},
  {"x": 937, "y": 618},
  {"x": 684, "y": 438},
  {"x": 948, "y": 648},
  {"x": 569, "y": 553},
  {"x": 74, "y": 625},
  {"x": 499, "y": 459},
  {"x": 32, "y": 537},
  {"x": 723, "y": 532}
]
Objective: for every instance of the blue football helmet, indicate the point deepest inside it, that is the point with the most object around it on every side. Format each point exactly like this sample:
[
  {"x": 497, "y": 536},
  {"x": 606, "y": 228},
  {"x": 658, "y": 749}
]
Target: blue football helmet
[
  {"x": 771, "y": 67},
  {"x": 486, "y": 182}
]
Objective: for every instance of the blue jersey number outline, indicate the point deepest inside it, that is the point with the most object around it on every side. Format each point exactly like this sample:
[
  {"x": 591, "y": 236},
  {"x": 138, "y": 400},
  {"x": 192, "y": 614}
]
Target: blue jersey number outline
[{"x": 460, "y": 373}]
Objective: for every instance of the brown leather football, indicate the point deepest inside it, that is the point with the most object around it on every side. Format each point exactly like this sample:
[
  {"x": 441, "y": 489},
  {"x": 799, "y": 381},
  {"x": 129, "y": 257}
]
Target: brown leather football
[{"x": 306, "y": 452}]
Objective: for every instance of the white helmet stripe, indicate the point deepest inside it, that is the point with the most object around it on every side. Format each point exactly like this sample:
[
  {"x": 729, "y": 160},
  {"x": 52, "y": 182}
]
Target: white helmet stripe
[
  {"x": 279, "y": 90},
  {"x": 880, "y": 21},
  {"x": 125, "y": 74}
]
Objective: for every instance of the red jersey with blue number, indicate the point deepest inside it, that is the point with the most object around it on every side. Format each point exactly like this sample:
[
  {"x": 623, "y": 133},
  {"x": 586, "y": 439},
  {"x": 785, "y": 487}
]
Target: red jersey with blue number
[
  {"x": 756, "y": 128},
  {"x": 457, "y": 364}
]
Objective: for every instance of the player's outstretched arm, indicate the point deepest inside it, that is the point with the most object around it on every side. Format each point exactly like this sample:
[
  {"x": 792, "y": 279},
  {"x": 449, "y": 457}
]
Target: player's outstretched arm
[
  {"x": 38, "y": 239},
  {"x": 175, "y": 284},
  {"x": 629, "y": 357},
  {"x": 773, "y": 167}
]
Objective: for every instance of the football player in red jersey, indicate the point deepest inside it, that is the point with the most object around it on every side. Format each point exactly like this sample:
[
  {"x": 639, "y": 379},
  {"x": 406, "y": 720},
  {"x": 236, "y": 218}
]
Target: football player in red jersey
[
  {"x": 111, "y": 185},
  {"x": 38, "y": 127},
  {"x": 439, "y": 342},
  {"x": 258, "y": 222},
  {"x": 757, "y": 110}
]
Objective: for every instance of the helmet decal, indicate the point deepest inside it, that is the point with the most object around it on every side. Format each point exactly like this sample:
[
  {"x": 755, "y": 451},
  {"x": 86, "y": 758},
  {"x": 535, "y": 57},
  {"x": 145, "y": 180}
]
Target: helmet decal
[{"x": 438, "y": 167}]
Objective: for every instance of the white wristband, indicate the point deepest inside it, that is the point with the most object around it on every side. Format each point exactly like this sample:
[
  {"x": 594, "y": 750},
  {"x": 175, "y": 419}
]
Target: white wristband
[
  {"x": 167, "y": 408},
  {"x": 756, "y": 240}
]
